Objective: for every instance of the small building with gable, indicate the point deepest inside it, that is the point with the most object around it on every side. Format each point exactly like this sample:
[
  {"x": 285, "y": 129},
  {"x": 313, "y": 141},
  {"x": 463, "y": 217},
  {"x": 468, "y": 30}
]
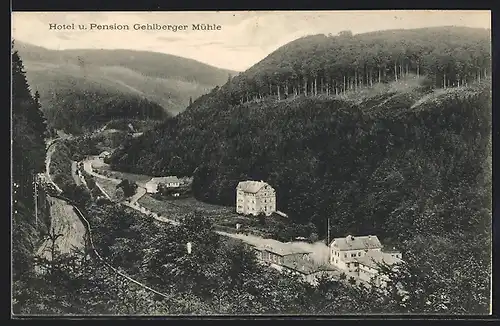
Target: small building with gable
[
  {"x": 368, "y": 266},
  {"x": 104, "y": 155},
  {"x": 168, "y": 182}
]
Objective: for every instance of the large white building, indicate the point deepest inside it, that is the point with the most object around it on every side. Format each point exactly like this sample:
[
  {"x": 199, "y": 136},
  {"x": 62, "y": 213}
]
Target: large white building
[
  {"x": 255, "y": 197},
  {"x": 361, "y": 256},
  {"x": 345, "y": 251}
]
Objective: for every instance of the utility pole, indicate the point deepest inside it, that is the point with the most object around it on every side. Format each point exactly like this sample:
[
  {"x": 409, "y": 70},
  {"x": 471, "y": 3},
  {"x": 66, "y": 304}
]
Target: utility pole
[
  {"x": 36, "y": 200},
  {"x": 328, "y": 232}
]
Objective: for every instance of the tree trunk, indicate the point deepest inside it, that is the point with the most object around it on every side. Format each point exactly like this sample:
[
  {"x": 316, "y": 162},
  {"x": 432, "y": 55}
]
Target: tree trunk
[
  {"x": 279, "y": 97},
  {"x": 322, "y": 89},
  {"x": 444, "y": 79},
  {"x": 305, "y": 86},
  {"x": 418, "y": 70},
  {"x": 395, "y": 72},
  {"x": 344, "y": 83},
  {"x": 315, "y": 86},
  {"x": 355, "y": 79},
  {"x": 379, "y": 79}
]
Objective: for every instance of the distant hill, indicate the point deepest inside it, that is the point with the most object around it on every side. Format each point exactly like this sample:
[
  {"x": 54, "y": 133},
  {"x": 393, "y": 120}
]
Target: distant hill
[{"x": 67, "y": 78}]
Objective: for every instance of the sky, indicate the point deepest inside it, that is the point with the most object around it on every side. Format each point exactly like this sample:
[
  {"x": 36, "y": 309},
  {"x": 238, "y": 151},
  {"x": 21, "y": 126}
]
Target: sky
[{"x": 244, "y": 38}]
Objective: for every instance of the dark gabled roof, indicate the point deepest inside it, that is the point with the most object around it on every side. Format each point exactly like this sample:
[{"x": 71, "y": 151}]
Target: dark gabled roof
[
  {"x": 373, "y": 258},
  {"x": 302, "y": 266},
  {"x": 282, "y": 249},
  {"x": 251, "y": 186}
]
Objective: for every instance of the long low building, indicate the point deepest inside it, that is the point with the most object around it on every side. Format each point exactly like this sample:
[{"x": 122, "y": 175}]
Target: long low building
[{"x": 287, "y": 258}]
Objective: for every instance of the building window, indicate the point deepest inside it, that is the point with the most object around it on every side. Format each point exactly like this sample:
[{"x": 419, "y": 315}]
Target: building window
[
  {"x": 345, "y": 255},
  {"x": 348, "y": 265},
  {"x": 359, "y": 254},
  {"x": 353, "y": 255}
]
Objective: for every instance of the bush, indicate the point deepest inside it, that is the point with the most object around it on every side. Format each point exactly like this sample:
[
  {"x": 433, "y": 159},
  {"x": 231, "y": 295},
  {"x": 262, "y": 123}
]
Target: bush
[
  {"x": 262, "y": 219},
  {"x": 79, "y": 194},
  {"x": 129, "y": 187},
  {"x": 313, "y": 237}
]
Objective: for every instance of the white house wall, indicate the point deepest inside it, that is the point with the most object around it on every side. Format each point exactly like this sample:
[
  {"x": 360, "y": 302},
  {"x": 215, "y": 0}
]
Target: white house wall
[{"x": 263, "y": 201}]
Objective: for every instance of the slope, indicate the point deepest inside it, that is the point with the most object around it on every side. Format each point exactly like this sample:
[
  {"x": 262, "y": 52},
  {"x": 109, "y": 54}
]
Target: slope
[
  {"x": 62, "y": 77},
  {"x": 320, "y": 150}
]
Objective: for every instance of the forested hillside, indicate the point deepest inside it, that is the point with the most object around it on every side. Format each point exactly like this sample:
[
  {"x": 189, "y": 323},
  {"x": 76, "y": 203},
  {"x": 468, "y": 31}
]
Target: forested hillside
[
  {"x": 448, "y": 56},
  {"x": 408, "y": 159},
  {"x": 81, "y": 88},
  {"x": 77, "y": 112},
  {"x": 28, "y": 157},
  {"x": 337, "y": 142}
]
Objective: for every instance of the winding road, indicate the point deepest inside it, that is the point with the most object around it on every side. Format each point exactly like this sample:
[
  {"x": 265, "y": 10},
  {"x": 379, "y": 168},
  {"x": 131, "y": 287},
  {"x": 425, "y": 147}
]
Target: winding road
[
  {"x": 73, "y": 229},
  {"x": 69, "y": 221}
]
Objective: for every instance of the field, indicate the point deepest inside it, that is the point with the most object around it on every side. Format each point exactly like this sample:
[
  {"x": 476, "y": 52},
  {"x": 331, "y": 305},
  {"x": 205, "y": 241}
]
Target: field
[
  {"x": 223, "y": 217},
  {"x": 138, "y": 178},
  {"x": 175, "y": 208},
  {"x": 108, "y": 186}
]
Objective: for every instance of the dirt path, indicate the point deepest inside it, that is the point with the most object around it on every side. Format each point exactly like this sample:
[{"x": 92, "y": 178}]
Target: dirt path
[
  {"x": 87, "y": 166},
  {"x": 74, "y": 173},
  {"x": 65, "y": 222},
  {"x": 48, "y": 158},
  {"x": 138, "y": 195}
]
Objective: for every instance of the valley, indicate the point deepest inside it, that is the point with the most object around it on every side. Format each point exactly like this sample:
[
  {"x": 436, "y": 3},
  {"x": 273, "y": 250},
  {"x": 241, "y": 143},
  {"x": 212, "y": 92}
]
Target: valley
[
  {"x": 334, "y": 176},
  {"x": 154, "y": 85}
]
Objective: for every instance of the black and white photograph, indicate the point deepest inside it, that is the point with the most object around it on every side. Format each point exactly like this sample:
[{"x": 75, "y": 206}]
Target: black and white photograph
[{"x": 251, "y": 163}]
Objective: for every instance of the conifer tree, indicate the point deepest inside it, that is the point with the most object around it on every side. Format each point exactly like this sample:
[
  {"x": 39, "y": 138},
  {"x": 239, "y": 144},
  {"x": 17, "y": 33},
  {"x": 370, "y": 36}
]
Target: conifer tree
[{"x": 28, "y": 158}]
